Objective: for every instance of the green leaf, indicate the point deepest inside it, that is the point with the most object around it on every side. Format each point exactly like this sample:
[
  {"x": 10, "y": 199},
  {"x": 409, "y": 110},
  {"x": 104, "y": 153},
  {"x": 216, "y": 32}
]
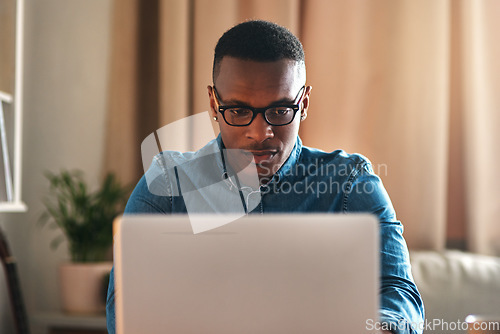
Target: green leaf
[{"x": 84, "y": 217}]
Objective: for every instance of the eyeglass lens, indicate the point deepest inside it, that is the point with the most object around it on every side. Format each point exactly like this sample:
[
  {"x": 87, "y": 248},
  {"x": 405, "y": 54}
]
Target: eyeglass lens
[{"x": 275, "y": 116}]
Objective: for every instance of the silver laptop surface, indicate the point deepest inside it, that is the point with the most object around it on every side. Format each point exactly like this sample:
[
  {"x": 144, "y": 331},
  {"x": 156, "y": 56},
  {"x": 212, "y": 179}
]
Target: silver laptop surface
[{"x": 279, "y": 274}]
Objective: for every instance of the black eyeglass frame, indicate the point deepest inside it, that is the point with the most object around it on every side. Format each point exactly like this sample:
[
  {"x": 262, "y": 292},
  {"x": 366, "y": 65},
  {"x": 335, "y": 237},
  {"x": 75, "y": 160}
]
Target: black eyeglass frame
[{"x": 255, "y": 111}]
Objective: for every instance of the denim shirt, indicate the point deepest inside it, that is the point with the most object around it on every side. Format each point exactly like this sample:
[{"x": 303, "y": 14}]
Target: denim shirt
[{"x": 309, "y": 181}]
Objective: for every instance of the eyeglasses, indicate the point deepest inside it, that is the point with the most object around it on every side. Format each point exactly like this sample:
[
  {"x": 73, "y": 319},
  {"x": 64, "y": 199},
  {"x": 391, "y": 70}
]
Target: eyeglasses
[{"x": 276, "y": 115}]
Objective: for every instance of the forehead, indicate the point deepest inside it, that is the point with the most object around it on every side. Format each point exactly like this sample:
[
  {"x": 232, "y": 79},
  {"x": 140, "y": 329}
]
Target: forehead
[{"x": 238, "y": 76}]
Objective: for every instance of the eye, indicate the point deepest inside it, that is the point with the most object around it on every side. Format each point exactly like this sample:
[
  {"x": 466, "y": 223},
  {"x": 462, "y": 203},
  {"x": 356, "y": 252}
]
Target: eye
[
  {"x": 280, "y": 111},
  {"x": 239, "y": 112}
]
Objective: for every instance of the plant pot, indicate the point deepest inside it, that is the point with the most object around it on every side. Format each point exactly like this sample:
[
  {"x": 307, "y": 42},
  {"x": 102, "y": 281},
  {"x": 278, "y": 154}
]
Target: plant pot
[{"x": 81, "y": 287}]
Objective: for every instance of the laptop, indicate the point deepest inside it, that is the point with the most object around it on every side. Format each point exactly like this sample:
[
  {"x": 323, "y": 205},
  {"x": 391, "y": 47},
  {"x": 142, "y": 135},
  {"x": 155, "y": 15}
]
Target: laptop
[{"x": 279, "y": 274}]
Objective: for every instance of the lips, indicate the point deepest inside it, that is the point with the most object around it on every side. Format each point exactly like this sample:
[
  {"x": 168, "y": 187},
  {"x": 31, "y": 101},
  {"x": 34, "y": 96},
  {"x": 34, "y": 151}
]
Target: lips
[{"x": 261, "y": 156}]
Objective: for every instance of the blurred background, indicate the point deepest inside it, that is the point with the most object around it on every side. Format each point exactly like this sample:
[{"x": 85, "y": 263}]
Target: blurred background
[{"x": 411, "y": 84}]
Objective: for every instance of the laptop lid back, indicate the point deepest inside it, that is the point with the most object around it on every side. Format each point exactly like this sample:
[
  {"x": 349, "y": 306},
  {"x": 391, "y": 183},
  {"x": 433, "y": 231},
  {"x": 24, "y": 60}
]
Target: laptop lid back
[{"x": 259, "y": 274}]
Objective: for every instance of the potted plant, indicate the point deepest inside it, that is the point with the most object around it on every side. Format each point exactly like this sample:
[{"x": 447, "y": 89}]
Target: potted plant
[{"x": 86, "y": 221}]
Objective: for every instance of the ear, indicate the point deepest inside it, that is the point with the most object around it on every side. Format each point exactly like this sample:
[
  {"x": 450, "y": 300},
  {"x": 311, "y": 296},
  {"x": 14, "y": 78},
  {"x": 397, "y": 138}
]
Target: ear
[
  {"x": 305, "y": 102},
  {"x": 213, "y": 111}
]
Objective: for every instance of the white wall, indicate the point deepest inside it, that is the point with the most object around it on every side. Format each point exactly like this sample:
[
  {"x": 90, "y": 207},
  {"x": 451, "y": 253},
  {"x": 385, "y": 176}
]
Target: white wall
[{"x": 66, "y": 73}]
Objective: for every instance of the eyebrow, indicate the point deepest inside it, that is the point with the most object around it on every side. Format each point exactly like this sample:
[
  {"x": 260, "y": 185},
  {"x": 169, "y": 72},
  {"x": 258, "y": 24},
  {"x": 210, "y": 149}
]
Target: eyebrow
[{"x": 241, "y": 103}]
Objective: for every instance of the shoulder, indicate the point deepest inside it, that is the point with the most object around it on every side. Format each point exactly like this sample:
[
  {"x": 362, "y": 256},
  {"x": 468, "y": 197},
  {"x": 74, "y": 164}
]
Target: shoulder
[
  {"x": 148, "y": 198},
  {"x": 168, "y": 172},
  {"x": 169, "y": 159},
  {"x": 339, "y": 160}
]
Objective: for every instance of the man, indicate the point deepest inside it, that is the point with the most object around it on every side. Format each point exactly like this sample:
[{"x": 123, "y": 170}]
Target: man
[{"x": 259, "y": 98}]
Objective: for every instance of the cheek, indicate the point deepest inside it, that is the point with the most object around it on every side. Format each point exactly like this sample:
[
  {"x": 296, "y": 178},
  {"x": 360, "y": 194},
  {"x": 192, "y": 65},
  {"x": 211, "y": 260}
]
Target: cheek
[
  {"x": 230, "y": 135},
  {"x": 288, "y": 134},
  {"x": 293, "y": 130}
]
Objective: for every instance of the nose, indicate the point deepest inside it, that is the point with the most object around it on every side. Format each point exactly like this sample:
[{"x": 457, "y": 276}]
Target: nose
[{"x": 259, "y": 130}]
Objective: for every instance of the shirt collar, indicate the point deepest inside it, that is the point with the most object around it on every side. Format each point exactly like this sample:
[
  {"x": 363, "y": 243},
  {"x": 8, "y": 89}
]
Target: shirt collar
[{"x": 220, "y": 158}]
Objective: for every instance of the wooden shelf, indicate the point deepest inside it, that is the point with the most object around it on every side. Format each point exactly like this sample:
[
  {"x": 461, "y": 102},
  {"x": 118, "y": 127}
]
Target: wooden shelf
[
  {"x": 5, "y": 97},
  {"x": 11, "y": 126},
  {"x": 13, "y": 207}
]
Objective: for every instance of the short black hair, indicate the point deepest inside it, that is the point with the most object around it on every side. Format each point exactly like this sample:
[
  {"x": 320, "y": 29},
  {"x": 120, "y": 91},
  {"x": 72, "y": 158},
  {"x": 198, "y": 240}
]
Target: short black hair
[{"x": 259, "y": 41}]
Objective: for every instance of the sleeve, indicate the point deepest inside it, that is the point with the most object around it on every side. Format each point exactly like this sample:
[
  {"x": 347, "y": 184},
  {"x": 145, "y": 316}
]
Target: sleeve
[
  {"x": 401, "y": 306},
  {"x": 141, "y": 201}
]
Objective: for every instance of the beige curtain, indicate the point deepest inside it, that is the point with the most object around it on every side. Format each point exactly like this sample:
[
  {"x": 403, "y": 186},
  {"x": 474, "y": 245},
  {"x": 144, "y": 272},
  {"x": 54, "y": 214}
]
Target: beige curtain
[
  {"x": 480, "y": 96},
  {"x": 410, "y": 84}
]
